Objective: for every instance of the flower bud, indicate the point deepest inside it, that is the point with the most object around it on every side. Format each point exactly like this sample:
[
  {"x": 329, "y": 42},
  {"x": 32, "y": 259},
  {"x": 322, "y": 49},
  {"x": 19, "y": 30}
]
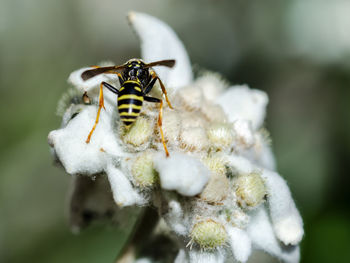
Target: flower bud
[
  {"x": 239, "y": 218},
  {"x": 213, "y": 112},
  {"x": 143, "y": 170},
  {"x": 218, "y": 186},
  {"x": 216, "y": 163},
  {"x": 171, "y": 125},
  {"x": 250, "y": 190},
  {"x": 220, "y": 135},
  {"x": 192, "y": 120},
  {"x": 211, "y": 84},
  {"x": 209, "y": 234},
  {"x": 190, "y": 97},
  {"x": 139, "y": 133},
  {"x": 194, "y": 139}
]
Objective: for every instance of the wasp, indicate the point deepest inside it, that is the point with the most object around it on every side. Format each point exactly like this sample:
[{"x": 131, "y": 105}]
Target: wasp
[{"x": 136, "y": 81}]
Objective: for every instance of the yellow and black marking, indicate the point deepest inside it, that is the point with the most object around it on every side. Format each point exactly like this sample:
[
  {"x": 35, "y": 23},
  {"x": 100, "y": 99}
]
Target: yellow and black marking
[
  {"x": 130, "y": 99},
  {"x": 136, "y": 81}
]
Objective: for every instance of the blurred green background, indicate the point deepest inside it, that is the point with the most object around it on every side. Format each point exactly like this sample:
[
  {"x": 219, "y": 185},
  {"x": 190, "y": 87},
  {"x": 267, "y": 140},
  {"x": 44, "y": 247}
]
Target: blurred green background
[{"x": 297, "y": 51}]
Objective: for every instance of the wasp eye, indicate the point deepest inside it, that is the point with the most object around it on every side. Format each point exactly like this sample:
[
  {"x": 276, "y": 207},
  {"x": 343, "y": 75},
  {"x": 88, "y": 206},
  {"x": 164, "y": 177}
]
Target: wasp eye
[{"x": 139, "y": 72}]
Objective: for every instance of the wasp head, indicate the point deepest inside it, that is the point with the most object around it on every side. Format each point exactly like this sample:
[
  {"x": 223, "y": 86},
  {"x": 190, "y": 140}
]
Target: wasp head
[{"x": 135, "y": 70}]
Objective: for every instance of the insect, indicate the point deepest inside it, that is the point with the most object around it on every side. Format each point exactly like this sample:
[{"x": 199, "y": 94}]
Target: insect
[{"x": 136, "y": 81}]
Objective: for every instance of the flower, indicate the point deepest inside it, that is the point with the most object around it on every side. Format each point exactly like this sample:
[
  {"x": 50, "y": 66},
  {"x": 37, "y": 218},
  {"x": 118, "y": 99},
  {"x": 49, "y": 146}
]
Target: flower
[{"x": 218, "y": 191}]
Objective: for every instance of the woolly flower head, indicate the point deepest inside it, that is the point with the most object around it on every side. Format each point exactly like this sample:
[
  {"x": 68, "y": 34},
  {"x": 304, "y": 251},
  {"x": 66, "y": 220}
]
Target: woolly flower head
[{"x": 218, "y": 191}]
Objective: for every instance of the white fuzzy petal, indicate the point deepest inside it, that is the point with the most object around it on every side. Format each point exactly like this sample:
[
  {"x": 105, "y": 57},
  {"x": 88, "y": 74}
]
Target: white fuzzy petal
[
  {"x": 267, "y": 159},
  {"x": 244, "y": 133},
  {"x": 243, "y": 103},
  {"x": 240, "y": 243},
  {"x": 92, "y": 87},
  {"x": 286, "y": 219},
  {"x": 123, "y": 192},
  {"x": 240, "y": 164},
  {"x": 183, "y": 173},
  {"x": 263, "y": 237},
  {"x": 90, "y": 84},
  {"x": 76, "y": 155},
  {"x": 262, "y": 151},
  {"x": 175, "y": 218},
  {"x": 206, "y": 257},
  {"x": 211, "y": 84},
  {"x": 181, "y": 257},
  {"x": 143, "y": 260},
  {"x": 261, "y": 154},
  {"x": 158, "y": 42}
]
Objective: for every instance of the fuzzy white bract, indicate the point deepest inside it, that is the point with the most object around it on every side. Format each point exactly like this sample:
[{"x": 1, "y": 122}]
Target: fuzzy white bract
[{"x": 218, "y": 191}]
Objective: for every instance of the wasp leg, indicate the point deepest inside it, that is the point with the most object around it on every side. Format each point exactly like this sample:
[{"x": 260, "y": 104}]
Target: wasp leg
[
  {"x": 100, "y": 106},
  {"x": 160, "y": 120},
  {"x": 150, "y": 85},
  {"x": 149, "y": 88},
  {"x": 121, "y": 80},
  {"x": 165, "y": 93},
  {"x": 110, "y": 87},
  {"x": 151, "y": 99}
]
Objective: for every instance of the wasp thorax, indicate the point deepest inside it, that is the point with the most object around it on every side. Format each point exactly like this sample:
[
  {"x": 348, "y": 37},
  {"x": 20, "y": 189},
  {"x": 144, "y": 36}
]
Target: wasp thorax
[
  {"x": 250, "y": 190},
  {"x": 143, "y": 170},
  {"x": 209, "y": 234}
]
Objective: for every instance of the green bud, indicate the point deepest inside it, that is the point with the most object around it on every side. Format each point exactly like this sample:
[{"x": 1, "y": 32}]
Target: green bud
[
  {"x": 143, "y": 170},
  {"x": 209, "y": 234},
  {"x": 250, "y": 190}
]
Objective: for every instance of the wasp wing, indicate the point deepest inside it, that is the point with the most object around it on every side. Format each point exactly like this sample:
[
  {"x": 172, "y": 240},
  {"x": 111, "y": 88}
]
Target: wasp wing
[
  {"x": 88, "y": 74},
  {"x": 167, "y": 63}
]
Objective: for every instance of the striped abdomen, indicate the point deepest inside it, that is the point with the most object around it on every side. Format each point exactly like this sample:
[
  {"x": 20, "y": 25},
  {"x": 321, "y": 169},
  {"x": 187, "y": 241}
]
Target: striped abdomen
[{"x": 130, "y": 99}]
